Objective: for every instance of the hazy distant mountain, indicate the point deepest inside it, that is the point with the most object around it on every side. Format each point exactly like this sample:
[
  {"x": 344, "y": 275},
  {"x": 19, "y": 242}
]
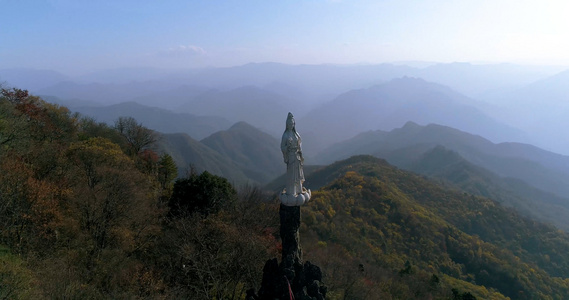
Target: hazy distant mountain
[
  {"x": 308, "y": 85},
  {"x": 307, "y": 81},
  {"x": 540, "y": 109},
  {"x": 158, "y": 119},
  {"x": 188, "y": 152},
  {"x": 475, "y": 80},
  {"x": 390, "y": 105},
  {"x": 174, "y": 98},
  {"x": 255, "y": 152},
  {"x": 124, "y": 75},
  {"x": 539, "y": 168},
  {"x": 534, "y": 109},
  {"x": 331, "y": 78},
  {"x": 260, "y": 108},
  {"x": 153, "y": 93},
  {"x": 470, "y": 79},
  {"x": 30, "y": 79},
  {"x": 103, "y": 93},
  {"x": 551, "y": 89},
  {"x": 69, "y": 103}
]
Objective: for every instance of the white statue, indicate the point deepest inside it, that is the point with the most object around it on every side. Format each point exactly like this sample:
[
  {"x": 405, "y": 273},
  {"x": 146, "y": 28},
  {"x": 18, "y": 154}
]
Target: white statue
[{"x": 291, "y": 146}]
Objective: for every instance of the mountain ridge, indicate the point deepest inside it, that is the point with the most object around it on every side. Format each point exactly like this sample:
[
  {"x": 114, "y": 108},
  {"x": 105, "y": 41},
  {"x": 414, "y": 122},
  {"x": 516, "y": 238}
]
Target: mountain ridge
[
  {"x": 189, "y": 154},
  {"x": 392, "y": 104},
  {"x": 538, "y": 168},
  {"x": 256, "y": 152},
  {"x": 382, "y": 216},
  {"x": 158, "y": 119}
]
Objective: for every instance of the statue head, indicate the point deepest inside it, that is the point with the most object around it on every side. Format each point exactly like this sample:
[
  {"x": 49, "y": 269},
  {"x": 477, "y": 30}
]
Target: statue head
[{"x": 290, "y": 122}]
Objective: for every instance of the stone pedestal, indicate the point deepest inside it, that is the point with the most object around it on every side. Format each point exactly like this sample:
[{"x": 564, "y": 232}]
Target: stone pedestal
[
  {"x": 291, "y": 276},
  {"x": 290, "y": 223}
]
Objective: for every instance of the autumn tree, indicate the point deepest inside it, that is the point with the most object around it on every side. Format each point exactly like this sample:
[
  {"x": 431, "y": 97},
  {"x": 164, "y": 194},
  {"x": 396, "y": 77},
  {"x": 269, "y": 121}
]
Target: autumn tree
[
  {"x": 219, "y": 255},
  {"x": 111, "y": 196},
  {"x": 137, "y": 136},
  {"x": 33, "y": 134}
]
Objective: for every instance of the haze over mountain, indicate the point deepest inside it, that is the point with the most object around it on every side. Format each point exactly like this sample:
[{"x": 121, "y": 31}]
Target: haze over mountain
[
  {"x": 172, "y": 99},
  {"x": 539, "y": 108},
  {"x": 31, "y": 79},
  {"x": 478, "y": 80},
  {"x": 258, "y": 107},
  {"x": 125, "y": 75},
  {"x": 460, "y": 106},
  {"x": 542, "y": 169},
  {"x": 392, "y": 104},
  {"x": 372, "y": 226},
  {"x": 494, "y": 89},
  {"x": 310, "y": 81},
  {"x": 105, "y": 93},
  {"x": 158, "y": 119}
]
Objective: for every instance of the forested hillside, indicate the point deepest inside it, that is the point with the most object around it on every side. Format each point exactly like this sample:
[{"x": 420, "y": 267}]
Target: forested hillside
[
  {"x": 257, "y": 153},
  {"x": 399, "y": 227},
  {"x": 86, "y": 213},
  {"x": 451, "y": 169},
  {"x": 89, "y": 211},
  {"x": 189, "y": 153},
  {"x": 530, "y": 179},
  {"x": 243, "y": 154}
]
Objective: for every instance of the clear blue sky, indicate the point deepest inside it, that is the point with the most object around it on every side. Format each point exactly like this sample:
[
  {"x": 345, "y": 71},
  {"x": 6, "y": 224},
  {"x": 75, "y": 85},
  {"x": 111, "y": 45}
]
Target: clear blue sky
[{"x": 76, "y": 36}]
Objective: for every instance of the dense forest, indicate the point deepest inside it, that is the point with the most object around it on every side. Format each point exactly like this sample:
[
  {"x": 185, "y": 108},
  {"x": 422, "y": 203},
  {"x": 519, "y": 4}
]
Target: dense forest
[
  {"x": 92, "y": 211},
  {"x": 394, "y": 222},
  {"x": 88, "y": 211}
]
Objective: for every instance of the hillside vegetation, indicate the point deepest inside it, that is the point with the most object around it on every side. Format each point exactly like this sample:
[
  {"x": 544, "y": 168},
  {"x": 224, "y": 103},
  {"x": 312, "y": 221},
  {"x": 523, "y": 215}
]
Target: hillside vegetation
[
  {"x": 243, "y": 154},
  {"x": 534, "y": 181},
  {"x": 90, "y": 211},
  {"x": 85, "y": 213},
  {"x": 450, "y": 169},
  {"x": 390, "y": 220},
  {"x": 257, "y": 153}
]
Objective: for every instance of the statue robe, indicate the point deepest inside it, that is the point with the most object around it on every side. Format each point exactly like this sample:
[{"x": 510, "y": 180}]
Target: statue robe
[{"x": 292, "y": 153}]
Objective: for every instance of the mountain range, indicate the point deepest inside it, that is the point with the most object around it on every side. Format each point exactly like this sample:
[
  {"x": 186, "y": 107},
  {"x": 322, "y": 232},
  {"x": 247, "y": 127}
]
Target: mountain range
[
  {"x": 191, "y": 155},
  {"x": 528, "y": 178},
  {"x": 543, "y": 169},
  {"x": 524, "y": 101},
  {"x": 537, "y": 108},
  {"x": 255, "y": 152},
  {"x": 347, "y": 102},
  {"x": 469, "y": 79},
  {"x": 392, "y": 104},
  {"x": 243, "y": 154},
  {"x": 158, "y": 119},
  {"x": 260, "y": 108},
  {"x": 373, "y": 228}
]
